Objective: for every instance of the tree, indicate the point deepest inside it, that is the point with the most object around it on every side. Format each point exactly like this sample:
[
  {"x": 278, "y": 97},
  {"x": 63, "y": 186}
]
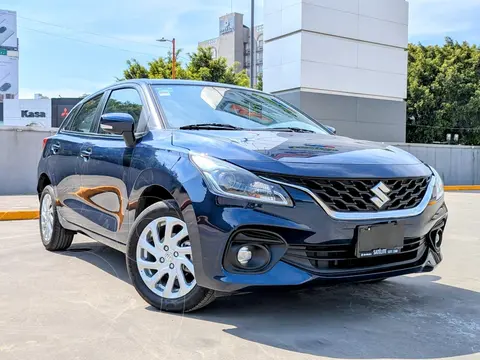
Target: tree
[
  {"x": 443, "y": 92},
  {"x": 202, "y": 66},
  {"x": 134, "y": 71},
  {"x": 260, "y": 81}
]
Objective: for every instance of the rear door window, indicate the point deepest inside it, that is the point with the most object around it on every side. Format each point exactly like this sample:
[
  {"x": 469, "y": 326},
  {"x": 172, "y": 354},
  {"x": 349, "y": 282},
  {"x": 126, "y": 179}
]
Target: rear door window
[
  {"x": 85, "y": 117},
  {"x": 68, "y": 119}
]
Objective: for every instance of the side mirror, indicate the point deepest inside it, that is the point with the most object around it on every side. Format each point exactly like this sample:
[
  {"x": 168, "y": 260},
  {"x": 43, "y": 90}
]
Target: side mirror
[
  {"x": 119, "y": 124},
  {"x": 331, "y": 129}
]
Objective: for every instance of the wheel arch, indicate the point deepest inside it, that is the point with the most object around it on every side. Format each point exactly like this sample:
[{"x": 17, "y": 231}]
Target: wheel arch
[
  {"x": 43, "y": 182},
  {"x": 152, "y": 186},
  {"x": 151, "y": 195}
]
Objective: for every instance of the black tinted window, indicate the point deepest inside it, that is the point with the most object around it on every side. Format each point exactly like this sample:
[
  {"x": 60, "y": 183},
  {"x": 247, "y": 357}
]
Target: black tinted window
[
  {"x": 84, "y": 118},
  {"x": 125, "y": 101}
]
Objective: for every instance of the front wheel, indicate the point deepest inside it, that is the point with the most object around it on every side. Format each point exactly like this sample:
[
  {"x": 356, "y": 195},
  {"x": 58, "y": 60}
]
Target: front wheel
[
  {"x": 159, "y": 261},
  {"x": 54, "y": 236}
]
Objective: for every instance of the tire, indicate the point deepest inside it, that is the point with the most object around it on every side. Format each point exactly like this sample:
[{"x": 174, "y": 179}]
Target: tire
[
  {"x": 54, "y": 236},
  {"x": 157, "y": 266}
]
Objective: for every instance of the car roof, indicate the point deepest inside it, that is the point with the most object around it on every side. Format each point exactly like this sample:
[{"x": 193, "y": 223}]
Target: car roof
[{"x": 179, "y": 82}]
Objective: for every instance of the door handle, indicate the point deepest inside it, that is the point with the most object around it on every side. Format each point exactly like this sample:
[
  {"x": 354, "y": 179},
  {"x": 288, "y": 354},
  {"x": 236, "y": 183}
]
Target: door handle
[
  {"x": 85, "y": 154},
  {"x": 55, "y": 148}
]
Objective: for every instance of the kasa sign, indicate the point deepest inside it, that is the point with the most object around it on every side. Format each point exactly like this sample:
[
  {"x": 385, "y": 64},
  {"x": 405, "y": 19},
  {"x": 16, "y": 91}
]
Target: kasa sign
[
  {"x": 35, "y": 112},
  {"x": 32, "y": 114}
]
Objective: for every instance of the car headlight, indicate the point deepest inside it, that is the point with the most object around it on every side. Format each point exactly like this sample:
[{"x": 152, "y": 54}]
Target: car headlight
[
  {"x": 228, "y": 180},
  {"x": 438, "y": 189}
]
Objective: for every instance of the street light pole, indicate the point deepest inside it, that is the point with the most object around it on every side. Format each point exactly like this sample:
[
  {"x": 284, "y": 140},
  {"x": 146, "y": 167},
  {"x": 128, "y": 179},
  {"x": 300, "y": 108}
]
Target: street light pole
[
  {"x": 252, "y": 44},
  {"x": 174, "y": 56},
  {"x": 174, "y": 60}
]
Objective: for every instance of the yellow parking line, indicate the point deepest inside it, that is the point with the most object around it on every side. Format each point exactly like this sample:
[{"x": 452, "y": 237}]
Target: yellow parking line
[
  {"x": 18, "y": 215},
  {"x": 461, "y": 187}
]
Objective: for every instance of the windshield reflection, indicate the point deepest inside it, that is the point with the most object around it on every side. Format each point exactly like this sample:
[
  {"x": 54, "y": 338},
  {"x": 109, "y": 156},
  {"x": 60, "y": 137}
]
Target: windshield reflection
[{"x": 185, "y": 105}]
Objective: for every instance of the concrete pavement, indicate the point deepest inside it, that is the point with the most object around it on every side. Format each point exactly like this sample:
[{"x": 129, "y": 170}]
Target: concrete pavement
[
  {"x": 79, "y": 304},
  {"x": 19, "y": 202}
]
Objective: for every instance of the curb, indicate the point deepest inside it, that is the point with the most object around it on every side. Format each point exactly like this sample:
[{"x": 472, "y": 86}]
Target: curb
[
  {"x": 19, "y": 215},
  {"x": 461, "y": 187}
]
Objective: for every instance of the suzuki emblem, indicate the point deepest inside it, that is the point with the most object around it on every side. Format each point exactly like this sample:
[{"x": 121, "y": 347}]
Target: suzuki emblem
[{"x": 381, "y": 191}]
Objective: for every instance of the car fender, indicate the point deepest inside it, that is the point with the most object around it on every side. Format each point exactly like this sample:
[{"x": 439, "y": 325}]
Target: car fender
[{"x": 185, "y": 184}]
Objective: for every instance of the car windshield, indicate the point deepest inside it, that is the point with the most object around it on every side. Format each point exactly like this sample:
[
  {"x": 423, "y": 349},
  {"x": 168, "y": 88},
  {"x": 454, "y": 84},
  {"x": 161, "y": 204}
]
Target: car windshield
[{"x": 192, "y": 105}]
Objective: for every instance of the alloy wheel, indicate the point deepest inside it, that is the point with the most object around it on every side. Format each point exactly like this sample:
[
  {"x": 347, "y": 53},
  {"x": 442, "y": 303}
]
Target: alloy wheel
[
  {"x": 46, "y": 218},
  {"x": 164, "y": 258}
]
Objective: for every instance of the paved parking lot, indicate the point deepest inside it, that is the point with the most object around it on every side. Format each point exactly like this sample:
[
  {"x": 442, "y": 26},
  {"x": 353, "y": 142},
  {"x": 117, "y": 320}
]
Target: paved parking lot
[{"x": 79, "y": 305}]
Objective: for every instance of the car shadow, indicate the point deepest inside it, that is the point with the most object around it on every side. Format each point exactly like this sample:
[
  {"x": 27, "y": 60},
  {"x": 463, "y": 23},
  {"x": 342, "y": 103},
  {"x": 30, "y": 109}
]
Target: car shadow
[
  {"x": 410, "y": 317},
  {"x": 103, "y": 257}
]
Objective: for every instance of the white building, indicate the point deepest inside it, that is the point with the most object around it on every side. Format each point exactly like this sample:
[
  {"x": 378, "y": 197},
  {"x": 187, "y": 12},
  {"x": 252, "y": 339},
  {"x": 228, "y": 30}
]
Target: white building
[
  {"x": 233, "y": 43},
  {"x": 344, "y": 62}
]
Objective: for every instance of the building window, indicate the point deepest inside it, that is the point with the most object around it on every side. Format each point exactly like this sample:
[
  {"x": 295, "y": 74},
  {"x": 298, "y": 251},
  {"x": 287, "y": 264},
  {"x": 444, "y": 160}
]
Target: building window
[
  {"x": 260, "y": 58},
  {"x": 260, "y": 43},
  {"x": 259, "y": 69}
]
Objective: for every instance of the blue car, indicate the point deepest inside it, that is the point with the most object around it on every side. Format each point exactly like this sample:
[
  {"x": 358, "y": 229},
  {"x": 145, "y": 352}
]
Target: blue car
[{"x": 212, "y": 189}]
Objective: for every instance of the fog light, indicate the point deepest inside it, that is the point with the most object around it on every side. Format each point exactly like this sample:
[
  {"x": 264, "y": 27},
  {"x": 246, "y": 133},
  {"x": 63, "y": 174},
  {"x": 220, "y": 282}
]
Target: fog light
[
  {"x": 244, "y": 255},
  {"x": 438, "y": 239}
]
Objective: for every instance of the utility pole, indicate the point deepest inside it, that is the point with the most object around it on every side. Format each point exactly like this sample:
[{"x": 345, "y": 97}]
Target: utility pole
[
  {"x": 252, "y": 45},
  {"x": 174, "y": 60},
  {"x": 174, "y": 56}
]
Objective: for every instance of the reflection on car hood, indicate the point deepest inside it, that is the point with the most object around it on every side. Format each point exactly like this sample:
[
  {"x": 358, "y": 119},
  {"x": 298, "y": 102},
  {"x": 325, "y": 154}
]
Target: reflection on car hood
[{"x": 287, "y": 152}]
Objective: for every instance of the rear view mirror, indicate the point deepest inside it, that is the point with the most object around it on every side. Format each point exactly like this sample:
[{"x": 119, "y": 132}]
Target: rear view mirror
[
  {"x": 331, "y": 129},
  {"x": 119, "y": 124}
]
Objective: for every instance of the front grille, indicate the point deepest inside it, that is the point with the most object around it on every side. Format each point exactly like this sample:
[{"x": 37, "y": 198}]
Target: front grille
[
  {"x": 345, "y": 195},
  {"x": 342, "y": 256}
]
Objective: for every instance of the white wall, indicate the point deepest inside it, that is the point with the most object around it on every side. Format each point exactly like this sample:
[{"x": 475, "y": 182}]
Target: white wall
[
  {"x": 345, "y": 47},
  {"x": 18, "y": 162},
  {"x": 14, "y": 112},
  {"x": 456, "y": 164}
]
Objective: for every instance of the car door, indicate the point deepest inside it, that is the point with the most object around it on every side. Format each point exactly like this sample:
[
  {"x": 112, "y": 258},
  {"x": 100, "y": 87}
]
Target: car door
[
  {"x": 106, "y": 170},
  {"x": 65, "y": 166}
]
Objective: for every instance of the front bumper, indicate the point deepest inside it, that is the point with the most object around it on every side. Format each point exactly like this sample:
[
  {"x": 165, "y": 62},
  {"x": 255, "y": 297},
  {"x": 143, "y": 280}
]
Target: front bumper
[{"x": 213, "y": 220}]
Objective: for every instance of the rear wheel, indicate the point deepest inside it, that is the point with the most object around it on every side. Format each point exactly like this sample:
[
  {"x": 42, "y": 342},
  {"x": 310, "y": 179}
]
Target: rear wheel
[
  {"x": 54, "y": 236},
  {"x": 159, "y": 261}
]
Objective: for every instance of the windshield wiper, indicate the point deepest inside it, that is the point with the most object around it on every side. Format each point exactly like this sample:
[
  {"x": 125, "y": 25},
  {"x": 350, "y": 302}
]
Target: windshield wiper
[
  {"x": 211, "y": 126},
  {"x": 292, "y": 129}
]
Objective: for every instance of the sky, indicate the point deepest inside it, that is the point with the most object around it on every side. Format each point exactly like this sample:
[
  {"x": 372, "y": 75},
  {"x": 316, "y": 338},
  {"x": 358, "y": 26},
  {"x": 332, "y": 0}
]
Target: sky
[{"x": 70, "y": 48}]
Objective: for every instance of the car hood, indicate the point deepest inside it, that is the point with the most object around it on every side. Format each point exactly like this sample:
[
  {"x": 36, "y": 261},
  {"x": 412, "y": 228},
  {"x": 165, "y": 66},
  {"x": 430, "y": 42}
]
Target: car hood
[{"x": 305, "y": 153}]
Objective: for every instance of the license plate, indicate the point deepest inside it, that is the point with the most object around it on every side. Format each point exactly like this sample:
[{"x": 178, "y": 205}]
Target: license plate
[{"x": 380, "y": 240}]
